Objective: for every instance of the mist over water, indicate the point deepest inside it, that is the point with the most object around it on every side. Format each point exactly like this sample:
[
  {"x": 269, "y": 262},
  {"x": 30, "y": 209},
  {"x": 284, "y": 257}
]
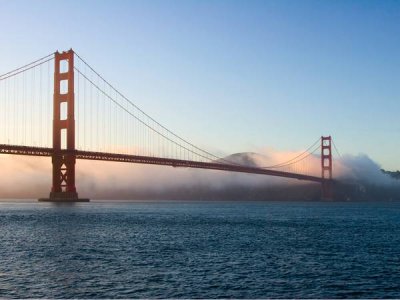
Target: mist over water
[
  {"x": 28, "y": 177},
  {"x": 200, "y": 250}
]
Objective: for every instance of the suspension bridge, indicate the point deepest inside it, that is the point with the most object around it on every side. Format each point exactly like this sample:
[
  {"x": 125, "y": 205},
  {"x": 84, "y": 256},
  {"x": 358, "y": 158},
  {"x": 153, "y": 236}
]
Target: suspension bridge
[{"x": 92, "y": 120}]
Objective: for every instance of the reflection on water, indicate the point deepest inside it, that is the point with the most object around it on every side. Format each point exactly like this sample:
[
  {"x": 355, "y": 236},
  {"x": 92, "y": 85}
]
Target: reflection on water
[{"x": 207, "y": 250}]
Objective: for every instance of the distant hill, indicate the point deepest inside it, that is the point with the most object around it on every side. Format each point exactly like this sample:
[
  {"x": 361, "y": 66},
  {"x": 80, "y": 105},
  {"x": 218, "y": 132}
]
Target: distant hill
[{"x": 246, "y": 159}]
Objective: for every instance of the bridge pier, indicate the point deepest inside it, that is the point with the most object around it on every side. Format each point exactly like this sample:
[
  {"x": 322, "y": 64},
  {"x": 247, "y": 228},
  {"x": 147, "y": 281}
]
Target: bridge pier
[
  {"x": 327, "y": 190},
  {"x": 63, "y": 197},
  {"x": 64, "y": 158}
]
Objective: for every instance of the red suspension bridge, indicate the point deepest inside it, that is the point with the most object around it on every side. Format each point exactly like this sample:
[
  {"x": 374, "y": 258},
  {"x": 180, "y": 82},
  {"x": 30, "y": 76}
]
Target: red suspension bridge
[{"x": 92, "y": 120}]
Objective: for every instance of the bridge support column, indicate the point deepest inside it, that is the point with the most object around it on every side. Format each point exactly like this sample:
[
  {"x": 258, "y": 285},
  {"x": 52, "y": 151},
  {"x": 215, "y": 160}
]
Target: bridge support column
[
  {"x": 64, "y": 159},
  {"x": 326, "y": 167}
]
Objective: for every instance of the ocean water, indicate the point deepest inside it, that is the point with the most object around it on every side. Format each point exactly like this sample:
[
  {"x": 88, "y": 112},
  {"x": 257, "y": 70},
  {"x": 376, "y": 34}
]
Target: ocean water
[{"x": 200, "y": 250}]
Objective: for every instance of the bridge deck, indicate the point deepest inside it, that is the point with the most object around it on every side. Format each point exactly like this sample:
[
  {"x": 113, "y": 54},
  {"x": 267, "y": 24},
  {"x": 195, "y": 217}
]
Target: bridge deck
[{"x": 87, "y": 155}]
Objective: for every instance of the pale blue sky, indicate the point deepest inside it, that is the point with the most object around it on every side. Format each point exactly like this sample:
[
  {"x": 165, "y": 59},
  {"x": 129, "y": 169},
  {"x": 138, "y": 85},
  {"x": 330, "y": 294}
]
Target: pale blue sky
[{"x": 235, "y": 76}]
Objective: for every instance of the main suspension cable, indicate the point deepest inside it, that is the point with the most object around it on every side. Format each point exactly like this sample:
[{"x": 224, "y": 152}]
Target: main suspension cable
[
  {"x": 214, "y": 157},
  {"x": 131, "y": 114},
  {"x": 24, "y": 70},
  {"x": 294, "y": 158},
  {"x": 294, "y": 162},
  {"x": 336, "y": 149},
  {"x": 148, "y": 116},
  {"x": 25, "y": 66}
]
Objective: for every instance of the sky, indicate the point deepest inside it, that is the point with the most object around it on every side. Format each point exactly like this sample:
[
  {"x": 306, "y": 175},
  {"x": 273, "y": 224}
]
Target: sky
[{"x": 234, "y": 76}]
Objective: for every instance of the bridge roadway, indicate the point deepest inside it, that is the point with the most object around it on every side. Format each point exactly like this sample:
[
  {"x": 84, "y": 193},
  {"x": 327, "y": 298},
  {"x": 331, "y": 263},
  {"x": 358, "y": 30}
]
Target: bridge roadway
[{"x": 88, "y": 155}]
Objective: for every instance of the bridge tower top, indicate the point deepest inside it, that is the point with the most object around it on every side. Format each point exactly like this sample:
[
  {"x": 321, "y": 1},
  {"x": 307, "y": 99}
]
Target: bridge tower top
[
  {"x": 326, "y": 157},
  {"x": 326, "y": 166}
]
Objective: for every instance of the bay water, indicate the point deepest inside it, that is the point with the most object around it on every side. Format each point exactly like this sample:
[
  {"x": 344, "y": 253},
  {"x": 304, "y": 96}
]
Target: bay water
[{"x": 159, "y": 249}]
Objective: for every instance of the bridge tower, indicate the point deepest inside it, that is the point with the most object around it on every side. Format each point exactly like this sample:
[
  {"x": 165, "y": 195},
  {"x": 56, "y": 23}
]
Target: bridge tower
[
  {"x": 64, "y": 158},
  {"x": 326, "y": 167}
]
